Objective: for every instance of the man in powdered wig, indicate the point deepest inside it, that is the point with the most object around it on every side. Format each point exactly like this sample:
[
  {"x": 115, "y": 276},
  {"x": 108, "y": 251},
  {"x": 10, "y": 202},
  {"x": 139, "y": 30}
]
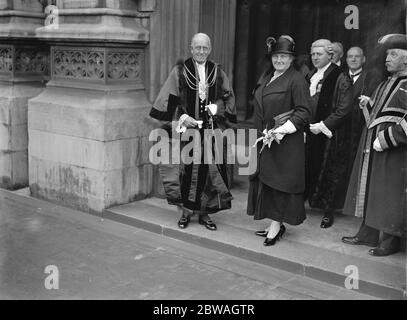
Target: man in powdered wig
[
  {"x": 328, "y": 137},
  {"x": 196, "y": 96}
]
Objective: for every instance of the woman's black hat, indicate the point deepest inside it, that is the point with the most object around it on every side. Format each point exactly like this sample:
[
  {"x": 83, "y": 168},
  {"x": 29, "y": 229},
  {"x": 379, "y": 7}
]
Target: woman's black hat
[{"x": 284, "y": 44}]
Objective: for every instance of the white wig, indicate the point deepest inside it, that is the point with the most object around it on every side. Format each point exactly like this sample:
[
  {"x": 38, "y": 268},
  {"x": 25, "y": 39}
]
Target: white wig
[{"x": 324, "y": 43}]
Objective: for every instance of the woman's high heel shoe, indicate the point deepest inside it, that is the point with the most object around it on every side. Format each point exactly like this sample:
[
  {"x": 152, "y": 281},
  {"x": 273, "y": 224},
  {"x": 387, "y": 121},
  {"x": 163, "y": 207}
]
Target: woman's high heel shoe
[
  {"x": 262, "y": 233},
  {"x": 272, "y": 241}
]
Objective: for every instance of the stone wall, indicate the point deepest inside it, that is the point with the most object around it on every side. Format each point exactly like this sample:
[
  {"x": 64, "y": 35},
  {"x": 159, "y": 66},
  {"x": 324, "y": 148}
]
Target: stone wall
[
  {"x": 24, "y": 69},
  {"x": 87, "y": 129}
]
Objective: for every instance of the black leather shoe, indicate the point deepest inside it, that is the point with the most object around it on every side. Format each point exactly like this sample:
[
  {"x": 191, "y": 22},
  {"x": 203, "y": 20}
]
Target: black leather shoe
[
  {"x": 327, "y": 221},
  {"x": 183, "y": 222},
  {"x": 261, "y": 233},
  {"x": 208, "y": 224},
  {"x": 272, "y": 241},
  {"x": 356, "y": 241},
  {"x": 382, "y": 252}
]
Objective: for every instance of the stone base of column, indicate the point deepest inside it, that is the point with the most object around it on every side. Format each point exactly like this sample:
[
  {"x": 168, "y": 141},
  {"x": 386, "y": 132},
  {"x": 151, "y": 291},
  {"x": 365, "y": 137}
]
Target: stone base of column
[
  {"x": 13, "y": 132},
  {"x": 89, "y": 148},
  {"x": 23, "y": 69}
]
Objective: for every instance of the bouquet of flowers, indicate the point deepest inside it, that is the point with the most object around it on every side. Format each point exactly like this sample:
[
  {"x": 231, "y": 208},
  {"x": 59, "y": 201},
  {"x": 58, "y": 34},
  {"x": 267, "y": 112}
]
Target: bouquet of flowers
[{"x": 268, "y": 137}]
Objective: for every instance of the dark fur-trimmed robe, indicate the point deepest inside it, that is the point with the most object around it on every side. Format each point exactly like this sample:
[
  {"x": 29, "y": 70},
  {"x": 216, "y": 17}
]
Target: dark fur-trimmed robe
[
  {"x": 196, "y": 186},
  {"x": 327, "y": 162},
  {"x": 378, "y": 187}
]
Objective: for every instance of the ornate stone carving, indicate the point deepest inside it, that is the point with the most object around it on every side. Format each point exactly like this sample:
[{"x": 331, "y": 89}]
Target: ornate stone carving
[
  {"x": 78, "y": 64},
  {"x": 6, "y": 59},
  {"x": 103, "y": 65},
  {"x": 124, "y": 66},
  {"x": 29, "y": 60}
]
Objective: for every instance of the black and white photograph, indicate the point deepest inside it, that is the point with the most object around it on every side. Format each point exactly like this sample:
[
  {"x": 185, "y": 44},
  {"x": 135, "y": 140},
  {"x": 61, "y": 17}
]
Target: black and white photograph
[{"x": 201, "y": 157}]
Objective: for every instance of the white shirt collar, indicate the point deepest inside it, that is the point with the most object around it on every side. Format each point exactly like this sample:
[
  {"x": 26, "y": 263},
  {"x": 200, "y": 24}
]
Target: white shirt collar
[
  {"x": 202, "y": 90},
  {"x": 357, "y": 71},
  {"x": 201, "y": 71},
  {"x": 316, "y": 78},
  {"x": 323, "y": 69},
  {"x": 200, "y": 65}
]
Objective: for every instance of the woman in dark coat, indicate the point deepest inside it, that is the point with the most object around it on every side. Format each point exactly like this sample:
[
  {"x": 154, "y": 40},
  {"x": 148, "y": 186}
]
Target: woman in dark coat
[{"x": 281, "y": 109}]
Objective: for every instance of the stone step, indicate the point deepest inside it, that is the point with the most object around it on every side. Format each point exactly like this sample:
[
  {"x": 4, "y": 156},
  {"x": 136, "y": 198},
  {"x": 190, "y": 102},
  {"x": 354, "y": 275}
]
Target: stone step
[{"x": 306, "y": 249}]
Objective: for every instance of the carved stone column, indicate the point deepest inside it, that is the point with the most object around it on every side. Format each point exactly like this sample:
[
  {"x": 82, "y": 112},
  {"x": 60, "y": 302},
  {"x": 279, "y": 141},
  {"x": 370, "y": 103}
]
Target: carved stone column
[
  {"x": 88, "y": 138},
  {"x": 23, "y": 71}
]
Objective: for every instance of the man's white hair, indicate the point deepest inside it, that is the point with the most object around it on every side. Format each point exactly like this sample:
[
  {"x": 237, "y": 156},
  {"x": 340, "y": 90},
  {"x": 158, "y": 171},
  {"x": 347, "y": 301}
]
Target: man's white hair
[
  {"x": 201, "y": 35},
  {"x": 338, "y": 45},
  {"x": 403, "y": 52}
]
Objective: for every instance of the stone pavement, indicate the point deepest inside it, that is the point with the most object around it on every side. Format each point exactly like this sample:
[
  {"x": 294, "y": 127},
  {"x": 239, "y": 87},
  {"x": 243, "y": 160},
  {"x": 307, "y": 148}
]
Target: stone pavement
[
  {"x": 306, "y": 249},
  {"x": 102, "y": 259}
]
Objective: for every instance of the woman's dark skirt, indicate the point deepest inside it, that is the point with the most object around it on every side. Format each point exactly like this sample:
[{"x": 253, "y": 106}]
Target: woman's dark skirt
[{"x": 266, "y": 202}]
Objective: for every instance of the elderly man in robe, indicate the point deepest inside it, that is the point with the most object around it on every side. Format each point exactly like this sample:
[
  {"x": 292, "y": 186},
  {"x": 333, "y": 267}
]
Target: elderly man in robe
[
  {"x": 196, "y": 96},
  {"x": 377, "y": 191}
]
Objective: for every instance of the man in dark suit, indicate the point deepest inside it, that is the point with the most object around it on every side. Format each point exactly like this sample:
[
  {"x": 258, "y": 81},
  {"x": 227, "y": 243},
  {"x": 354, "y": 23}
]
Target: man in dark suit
[
  {"x": 331, "y": 98},
  {"x": 363, "y": 85}
]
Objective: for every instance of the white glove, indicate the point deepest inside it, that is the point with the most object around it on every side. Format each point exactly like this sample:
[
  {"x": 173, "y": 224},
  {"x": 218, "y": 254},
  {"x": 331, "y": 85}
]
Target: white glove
[
  {"x": 180, "y": 128},
  {"x": 287, "y": 128},
  {"x": 184, "y": 121},
  {"x": 317, "y": 128},
  {"x": 213, "y": 108},
  {"x": 377, "y": 146},
  {"x": 325, "y": 130},
  {"x": 364, "y": 101},
  {"x": 183, "y": 118}
]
